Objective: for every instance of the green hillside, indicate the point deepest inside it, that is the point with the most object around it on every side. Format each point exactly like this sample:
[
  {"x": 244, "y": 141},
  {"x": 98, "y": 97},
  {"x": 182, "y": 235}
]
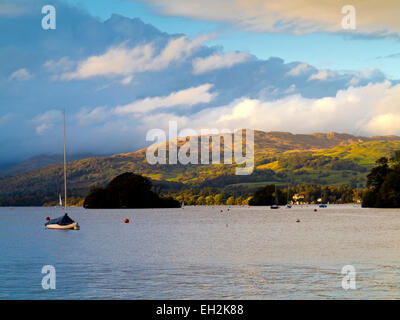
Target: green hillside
[{"x": 327, "y": 159}]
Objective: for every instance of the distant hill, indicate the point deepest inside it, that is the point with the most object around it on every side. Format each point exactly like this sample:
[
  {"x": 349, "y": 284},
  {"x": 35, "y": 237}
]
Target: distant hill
[
  {"x": 280, "y": 157},
  {"x": 40, "y": 161}
]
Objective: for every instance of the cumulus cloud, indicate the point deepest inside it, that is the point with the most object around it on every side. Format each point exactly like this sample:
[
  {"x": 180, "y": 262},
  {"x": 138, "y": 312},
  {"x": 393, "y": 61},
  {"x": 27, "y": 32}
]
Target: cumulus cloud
[
  {"x": 218, "y": 61},
  {"x": 20, "y": 75},
  {"x": 124, "y": 61},
  {"x": 187, "y": 97},
  {"x": 387, "y": 124},
  {"x": 372, "y": 110},
  {"x": 297, "y": 16}
]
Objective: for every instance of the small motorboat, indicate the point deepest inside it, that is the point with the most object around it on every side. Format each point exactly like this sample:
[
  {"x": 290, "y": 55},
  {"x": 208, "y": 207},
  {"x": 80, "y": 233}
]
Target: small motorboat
[
  {"x": 323, "y": 206},
  {"x": 274, "y": 206},
  {"x": 62, "y": 223}
]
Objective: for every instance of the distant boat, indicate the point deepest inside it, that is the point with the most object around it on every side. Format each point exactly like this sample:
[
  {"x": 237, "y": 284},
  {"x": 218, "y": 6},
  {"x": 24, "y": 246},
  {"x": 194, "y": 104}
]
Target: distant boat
[
  {"x": 322, "y": 205},
  {"x": 275, "y": 206},
  {"x": 60, "y": 204},
  {"x": 64, "y": 222}
]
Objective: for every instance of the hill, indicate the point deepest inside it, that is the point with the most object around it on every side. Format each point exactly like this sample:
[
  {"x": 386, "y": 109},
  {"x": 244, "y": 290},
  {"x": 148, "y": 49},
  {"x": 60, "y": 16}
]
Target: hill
[
  {"x": 280, "y": 157},
  {"x": 41, "y": 161}
]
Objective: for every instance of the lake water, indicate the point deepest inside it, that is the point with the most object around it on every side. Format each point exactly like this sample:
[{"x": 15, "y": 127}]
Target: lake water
[{"x": 202, "y": 253}]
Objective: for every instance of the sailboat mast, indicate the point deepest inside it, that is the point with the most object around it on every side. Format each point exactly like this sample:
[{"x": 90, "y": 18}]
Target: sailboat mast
[
  {"x": 287, "y": 200},
  {"x": 65, "y": 167}
]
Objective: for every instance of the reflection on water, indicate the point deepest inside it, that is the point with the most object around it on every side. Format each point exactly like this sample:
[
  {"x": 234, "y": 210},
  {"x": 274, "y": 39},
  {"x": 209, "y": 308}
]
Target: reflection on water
[{"x": 201, "y": 253}]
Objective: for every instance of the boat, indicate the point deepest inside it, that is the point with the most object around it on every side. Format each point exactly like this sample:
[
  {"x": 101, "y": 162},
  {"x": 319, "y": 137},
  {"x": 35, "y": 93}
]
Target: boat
[
  {"x": 60, "y": 204},
  {"x": 322, "y": 205},
  {"x": 275, "y": 206},
  {"x": 64, "y": 222}
]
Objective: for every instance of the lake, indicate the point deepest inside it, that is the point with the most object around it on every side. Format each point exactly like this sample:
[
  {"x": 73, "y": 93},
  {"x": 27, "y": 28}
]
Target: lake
[{"x": 202, "y": 253}]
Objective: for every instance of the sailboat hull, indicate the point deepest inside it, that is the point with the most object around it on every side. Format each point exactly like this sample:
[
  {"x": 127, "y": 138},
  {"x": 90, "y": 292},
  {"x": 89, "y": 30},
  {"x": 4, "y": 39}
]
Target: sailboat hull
[{"x": 72, "y": 226}]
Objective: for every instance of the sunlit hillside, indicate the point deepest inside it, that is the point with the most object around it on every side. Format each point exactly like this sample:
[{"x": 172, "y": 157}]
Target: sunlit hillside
[{"x": 327, "y": 159}]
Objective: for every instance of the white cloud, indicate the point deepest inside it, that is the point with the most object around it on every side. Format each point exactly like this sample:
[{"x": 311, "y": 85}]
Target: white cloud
[
  {"x": 63, "y": 64},
  {"x": 188, "y": 97},
  {"x": 20, "y": 75},
  {"x": 372, "y": 110},
  {"x": 296, "y": 16},
  {"x": 218, "y": 61},
  {"x": 321, "y": 75},
  {"x": 388, "y": 123},
  {"x": 291, "y": 89},
  {"x": 127, "y": 80},
  {"x": 97, "y": 115},
  {"x": 46, "y": 121},
  {"x": 124, "y": 61},
  {"x": 299, "y": 69}
]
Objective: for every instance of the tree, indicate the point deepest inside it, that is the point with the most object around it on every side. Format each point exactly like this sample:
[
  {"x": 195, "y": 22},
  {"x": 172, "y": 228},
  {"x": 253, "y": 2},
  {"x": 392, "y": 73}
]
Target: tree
[
  {"x": 384, "y": 184},
  {"x": 230, "y": 201},
  {"x": 266, "y": 196},
  {"x": 128, "y": 190}
]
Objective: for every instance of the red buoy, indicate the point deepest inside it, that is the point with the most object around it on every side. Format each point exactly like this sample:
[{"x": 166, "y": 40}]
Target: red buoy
[
  {"x": 222, "y": 210},
  {"x": 315, "y": 210},
  {"x": 47, "y": 218},
  {"x": 126, "y": 220}
]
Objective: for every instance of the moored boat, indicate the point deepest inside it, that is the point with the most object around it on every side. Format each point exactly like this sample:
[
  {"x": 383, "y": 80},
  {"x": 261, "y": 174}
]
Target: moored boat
[
  {"x": 64, "y": 222},
  {"x": 275, "y": 206}
]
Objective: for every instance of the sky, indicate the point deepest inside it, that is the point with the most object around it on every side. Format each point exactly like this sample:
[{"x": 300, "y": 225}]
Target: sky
[
  {"x": 339, "y": 51},
  {"x": 120, "y": 68}
]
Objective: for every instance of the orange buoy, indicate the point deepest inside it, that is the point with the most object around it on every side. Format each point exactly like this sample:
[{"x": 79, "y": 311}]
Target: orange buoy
[
  {"x": 47, "y": 218},
  {"x": 126, "y": 220}
]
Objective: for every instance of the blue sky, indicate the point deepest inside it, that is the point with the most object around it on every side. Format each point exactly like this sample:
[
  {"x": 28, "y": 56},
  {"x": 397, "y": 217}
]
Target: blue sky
[{"x": 122, "y": 68}]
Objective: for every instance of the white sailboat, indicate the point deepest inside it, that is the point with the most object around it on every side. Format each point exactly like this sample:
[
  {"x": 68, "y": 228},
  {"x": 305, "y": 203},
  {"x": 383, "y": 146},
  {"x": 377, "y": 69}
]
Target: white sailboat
[
  {"x": 64, "y": 222},
  {"x": 60, "y": 204}
]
